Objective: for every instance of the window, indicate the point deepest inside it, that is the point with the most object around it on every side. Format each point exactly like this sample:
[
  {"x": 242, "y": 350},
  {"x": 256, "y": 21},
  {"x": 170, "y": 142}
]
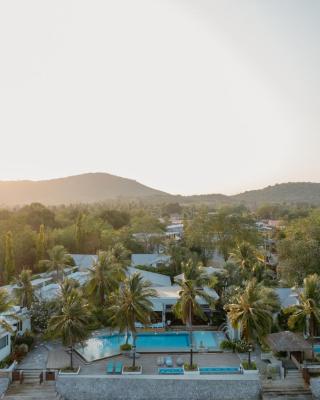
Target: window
[{"x": 4, "y": 342}]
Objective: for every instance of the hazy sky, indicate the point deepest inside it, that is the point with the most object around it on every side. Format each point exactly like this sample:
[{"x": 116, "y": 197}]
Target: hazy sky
[{"x": 188, "y": 96}]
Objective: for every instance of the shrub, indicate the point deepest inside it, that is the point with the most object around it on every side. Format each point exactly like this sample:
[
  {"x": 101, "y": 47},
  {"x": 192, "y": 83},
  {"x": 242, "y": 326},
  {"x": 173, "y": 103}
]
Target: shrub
[
  {"x": 189, "y": 367},
  {"x": 27, "y": 339},
  {"x": 19, "y": 352},
  {"x": 235, "y": 345},
  {"x": 245, "y": 365},
  {"x": 126, "y": 347}
]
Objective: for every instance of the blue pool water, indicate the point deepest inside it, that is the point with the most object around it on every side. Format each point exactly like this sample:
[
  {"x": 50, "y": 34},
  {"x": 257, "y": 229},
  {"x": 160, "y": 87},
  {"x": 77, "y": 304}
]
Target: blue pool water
[
  {"x": 316, "y": 348},
  {"x": 109, "y": 345}
]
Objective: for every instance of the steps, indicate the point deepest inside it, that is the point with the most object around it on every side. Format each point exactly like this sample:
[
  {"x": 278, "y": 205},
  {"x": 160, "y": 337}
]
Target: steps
[
  {"x": 30, "y": 391},
  {"x": 291, "y": 388}
]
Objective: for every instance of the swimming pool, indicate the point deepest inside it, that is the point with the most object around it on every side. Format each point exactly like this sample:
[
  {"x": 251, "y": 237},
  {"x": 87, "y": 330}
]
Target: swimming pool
[
  {"x": 148, "y": 342},
  {"x": 316, "y": 348}
]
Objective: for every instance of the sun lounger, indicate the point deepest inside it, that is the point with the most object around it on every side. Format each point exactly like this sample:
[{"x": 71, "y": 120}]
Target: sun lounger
[
  {"x": 171, "y": 371},
  {"x": 118, "y": 368},
  {"x": 168, "y": 361},
  {"x": 110, "y": 367},
  {"x": 219, "y": 370}
]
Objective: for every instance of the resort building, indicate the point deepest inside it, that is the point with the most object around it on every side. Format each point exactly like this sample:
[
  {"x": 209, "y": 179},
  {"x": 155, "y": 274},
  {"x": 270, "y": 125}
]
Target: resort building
[
  {"x": 18, "y": 319},
  {"x": 84, "y": 261},
  {"x": 150, "y": 260}
]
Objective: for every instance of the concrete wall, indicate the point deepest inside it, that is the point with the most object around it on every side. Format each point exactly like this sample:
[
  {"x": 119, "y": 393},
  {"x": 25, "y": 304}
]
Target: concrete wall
[
  {"x": 158, "y": 388},
  {"x": 315, "y": 387},
  {"x": 4, "y": 383}
]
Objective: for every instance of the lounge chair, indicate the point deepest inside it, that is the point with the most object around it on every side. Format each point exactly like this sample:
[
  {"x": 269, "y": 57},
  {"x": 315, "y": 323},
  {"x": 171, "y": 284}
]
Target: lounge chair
[
  {"x": 118, "y": 368},
  {"x": 179, "y": 362},
  {"x": 110, "y": 367},
  {"x": 171, "y": 371},
  {"x": 160, "y": 361},
  {"x": 168, "y": 361}
]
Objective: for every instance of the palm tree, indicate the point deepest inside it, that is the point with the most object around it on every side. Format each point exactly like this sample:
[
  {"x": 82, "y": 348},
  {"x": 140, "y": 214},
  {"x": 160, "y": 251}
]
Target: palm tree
[
  {"x": 307, "y": 312},
  {"x": 104, "y": 277},
  {"x": 58, "y": 259},
  {"x": 24, "y": 290},
  {"x": 132, "y": 303},
  {"x": 71, "y": 322},
  {"x": 244, "y": 256},
  {"x": 191, "y": 292},
  {"x": 252, "y": 310}
]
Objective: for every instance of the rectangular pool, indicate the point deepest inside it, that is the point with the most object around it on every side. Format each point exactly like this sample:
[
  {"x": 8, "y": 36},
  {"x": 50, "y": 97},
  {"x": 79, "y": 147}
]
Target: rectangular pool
[{"x": 148, "y": 342}]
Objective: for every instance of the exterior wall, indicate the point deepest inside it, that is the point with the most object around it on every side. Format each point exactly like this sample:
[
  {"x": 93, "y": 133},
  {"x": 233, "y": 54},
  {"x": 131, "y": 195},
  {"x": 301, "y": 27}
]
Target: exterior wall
[
  {"x": 5, "y": 352},
  {"x": 155, "y": 387},
  {"x": 315, "y": 388}
]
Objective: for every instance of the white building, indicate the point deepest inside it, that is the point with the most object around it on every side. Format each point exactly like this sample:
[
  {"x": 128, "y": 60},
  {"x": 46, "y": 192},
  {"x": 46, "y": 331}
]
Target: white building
[
  {"x": 19, "y": 320},
  {"x": 150, "y": 260}
]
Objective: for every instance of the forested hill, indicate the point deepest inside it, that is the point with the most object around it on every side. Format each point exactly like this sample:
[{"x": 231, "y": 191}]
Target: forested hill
[
  {"x": 99, "y": 187},
  {"x": 86, "y": 188},
  {"x": 294, "y": 192}
]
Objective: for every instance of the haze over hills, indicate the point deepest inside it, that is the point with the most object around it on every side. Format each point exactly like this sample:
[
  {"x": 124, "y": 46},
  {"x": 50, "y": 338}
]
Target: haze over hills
[{"x": 99, "y": 187}]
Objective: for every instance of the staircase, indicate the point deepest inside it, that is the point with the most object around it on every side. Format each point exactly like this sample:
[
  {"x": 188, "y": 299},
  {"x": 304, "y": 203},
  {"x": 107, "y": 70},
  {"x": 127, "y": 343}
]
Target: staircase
[
  {"x": 291, "y": 388},
  {"x": 31, "y": 391}
]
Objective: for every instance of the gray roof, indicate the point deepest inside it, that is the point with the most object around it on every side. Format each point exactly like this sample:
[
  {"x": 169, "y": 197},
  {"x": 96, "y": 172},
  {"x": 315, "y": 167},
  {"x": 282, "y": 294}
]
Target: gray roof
[
  {"x": 157, "y": 280},
  {"x": 84, "y": 260},
  {"x": 287, "y": 297},
  {"x": 149, "y": 259},
  {"x": 287, "y": 341}
]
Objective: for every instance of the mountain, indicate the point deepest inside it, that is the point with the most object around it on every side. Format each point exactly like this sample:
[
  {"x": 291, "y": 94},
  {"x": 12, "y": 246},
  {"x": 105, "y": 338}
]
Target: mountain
[
  {"x": 99, "y": 187},
  {"x": 85, "y": 188},
  {"x": 292, "y": 192}
]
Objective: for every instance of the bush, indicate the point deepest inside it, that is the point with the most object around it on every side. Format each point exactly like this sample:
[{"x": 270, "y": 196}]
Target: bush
[
  {"x": 27, "y": 339},
  {"x": 235, "y": 345},
  {"x": 126, "y": 347},
  {"x": 19, "y": 352},
  {"x": 189, "y": 367},
  {"x": 245, "y": 365}
]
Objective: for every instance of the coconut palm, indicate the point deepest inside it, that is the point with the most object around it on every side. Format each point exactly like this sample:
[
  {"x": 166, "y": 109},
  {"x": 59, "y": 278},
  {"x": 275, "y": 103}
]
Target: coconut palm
[
  {"x": 307, "y": 312},
  {"x": 132, "y": 303},
  {"x": 188, "y": 304},
  {"x": 104, "y": 277},
  {"x": 24, "y": 290},
  {"x": 58, "y": 259},
  {"x": 244, "y": 256},
  {"x": 71, "y": 322},
  {"x": 252, "y": 311}
]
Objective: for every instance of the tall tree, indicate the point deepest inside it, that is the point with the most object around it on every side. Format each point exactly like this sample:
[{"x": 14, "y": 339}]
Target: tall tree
[
  {"x": 307, "y": 313},
  {"x": 41, "y": 243},
  {"x": 80, "y": 233},
  {"x": 9, "y": 262},
  {"x": 104, "y": 277},
  {"x": 24, "y": 290},
  {"x": 252, "y": 311},
  {"x": 71, "y": 322},
  {"x": 132, "y": 303},
  {"x": 58, "y": 258},
  {"x": 188, "y": 304}
]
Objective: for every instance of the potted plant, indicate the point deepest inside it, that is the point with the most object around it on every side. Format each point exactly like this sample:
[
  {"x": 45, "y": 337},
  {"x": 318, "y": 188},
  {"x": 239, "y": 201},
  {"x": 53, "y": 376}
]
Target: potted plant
[
  {"x": 132, "y": 370},
  {"x": 126, "y": 348},
  {"x": 190, "y": 369},
  {"x": 69, "y": 371},
  {"x": 249, "y": 369}
]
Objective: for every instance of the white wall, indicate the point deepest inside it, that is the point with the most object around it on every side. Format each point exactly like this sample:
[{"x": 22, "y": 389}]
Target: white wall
[{"x": 5, "y": 352}]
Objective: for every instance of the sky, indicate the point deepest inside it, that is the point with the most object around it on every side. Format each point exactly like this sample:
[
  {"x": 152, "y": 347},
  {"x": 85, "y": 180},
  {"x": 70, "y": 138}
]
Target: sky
[{"x": 187, "y": 96}]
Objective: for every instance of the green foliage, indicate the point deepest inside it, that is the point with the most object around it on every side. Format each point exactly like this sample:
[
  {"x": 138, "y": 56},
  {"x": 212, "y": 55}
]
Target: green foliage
[
  {"x": 27, "y": 338},
  {"x": 190, "y": 367},
  {"x": 125, "y": 347},
  {"x": 24, "y": 290},
  {"x": 239, "y": 346},
  {"x": 251, "y": 367},
  {"x": 41, "y": 244},
  {"x": 9, "y": 261}
]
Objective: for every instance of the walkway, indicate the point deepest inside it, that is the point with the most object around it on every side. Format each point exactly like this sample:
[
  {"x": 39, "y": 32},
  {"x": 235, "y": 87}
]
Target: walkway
[{"x": 29, "y": 391}]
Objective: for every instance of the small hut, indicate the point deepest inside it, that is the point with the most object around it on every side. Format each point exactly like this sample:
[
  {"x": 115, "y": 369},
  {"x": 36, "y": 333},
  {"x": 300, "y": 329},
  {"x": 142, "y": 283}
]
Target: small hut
[{"x": 292, "y": 343}]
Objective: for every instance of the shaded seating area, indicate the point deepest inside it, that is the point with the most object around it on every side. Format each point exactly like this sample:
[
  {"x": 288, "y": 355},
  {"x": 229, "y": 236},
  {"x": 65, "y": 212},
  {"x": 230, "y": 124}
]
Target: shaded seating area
[{"x": 294, "y": 344}]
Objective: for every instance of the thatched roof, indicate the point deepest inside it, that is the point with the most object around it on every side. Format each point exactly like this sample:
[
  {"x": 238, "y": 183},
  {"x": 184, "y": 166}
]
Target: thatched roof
[{"x": 287, "y": 341}]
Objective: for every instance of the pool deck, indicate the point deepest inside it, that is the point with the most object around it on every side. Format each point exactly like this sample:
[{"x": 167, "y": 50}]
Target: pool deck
[{"x": 150, "y": 367}]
